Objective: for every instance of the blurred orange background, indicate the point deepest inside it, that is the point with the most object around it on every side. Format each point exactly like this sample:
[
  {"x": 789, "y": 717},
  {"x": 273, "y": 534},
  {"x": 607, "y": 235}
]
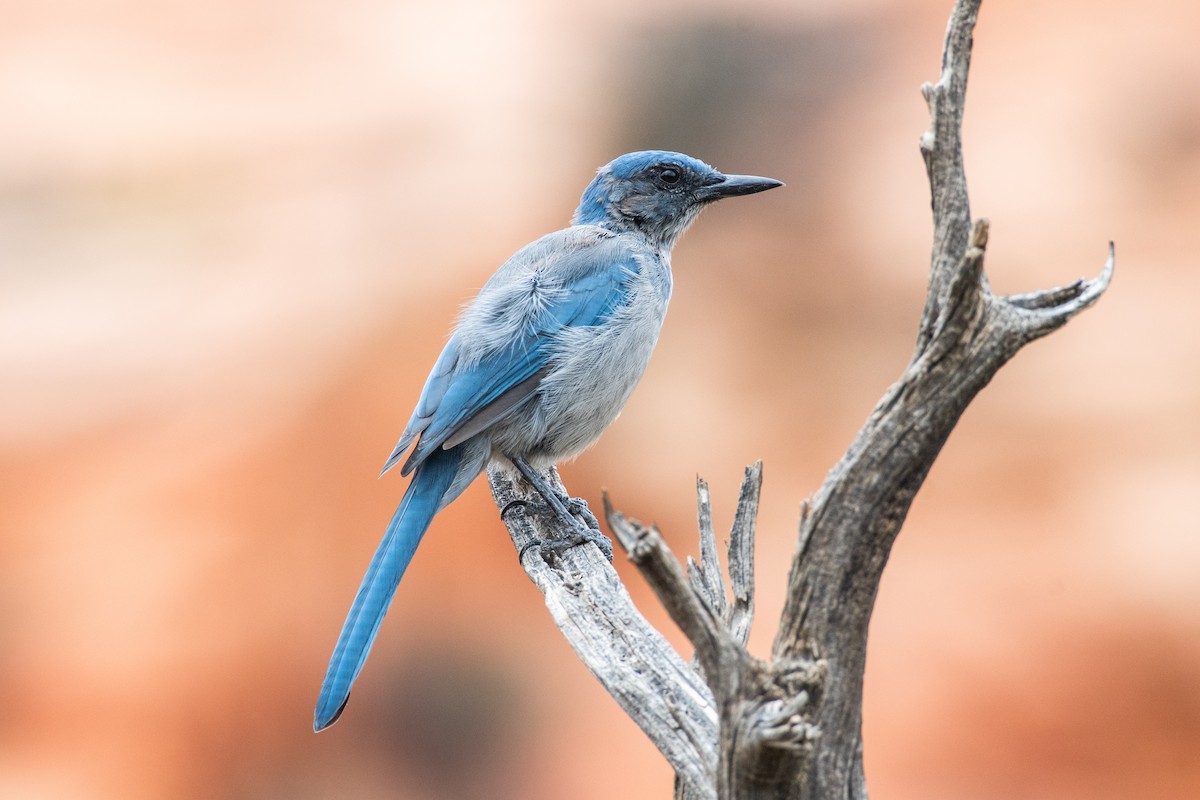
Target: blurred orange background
[{"x": 233, "y": 236}]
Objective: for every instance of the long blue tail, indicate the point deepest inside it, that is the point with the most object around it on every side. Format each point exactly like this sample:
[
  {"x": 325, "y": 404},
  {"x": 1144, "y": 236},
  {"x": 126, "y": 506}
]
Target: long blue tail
[{"x": 408, "y": 525}]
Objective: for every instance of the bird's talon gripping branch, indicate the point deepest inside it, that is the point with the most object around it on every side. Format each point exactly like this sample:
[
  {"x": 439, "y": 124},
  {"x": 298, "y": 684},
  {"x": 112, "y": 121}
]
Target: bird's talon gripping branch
[
  {"x": 597, "y": 538},
  {"x": 512, "y": 505},
  {"x": 579, "y": 507},
  {"x": 534, "y": 544},
  {"x": 556, "y": 546},
  {"x": 584, "y": 531}
]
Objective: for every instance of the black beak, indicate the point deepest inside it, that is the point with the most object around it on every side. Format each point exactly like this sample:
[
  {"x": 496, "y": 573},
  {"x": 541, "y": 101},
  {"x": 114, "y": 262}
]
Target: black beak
[{"x": 735, "y": 186}]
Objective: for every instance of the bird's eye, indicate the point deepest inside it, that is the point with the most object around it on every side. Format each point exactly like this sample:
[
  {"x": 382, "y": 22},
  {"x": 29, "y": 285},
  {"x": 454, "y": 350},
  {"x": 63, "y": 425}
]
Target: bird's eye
[{"x": 669, "y": 176}]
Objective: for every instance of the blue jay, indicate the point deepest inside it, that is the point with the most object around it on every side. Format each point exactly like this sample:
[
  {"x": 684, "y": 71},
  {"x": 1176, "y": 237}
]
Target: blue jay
[{"x": 538, "y": 366}]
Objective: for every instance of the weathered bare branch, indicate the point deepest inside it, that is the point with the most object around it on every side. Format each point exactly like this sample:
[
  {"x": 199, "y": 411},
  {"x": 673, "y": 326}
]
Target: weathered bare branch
[
  {"x": 1049, "y": 310},
  {"x": 741, "y": 554},
  {"x": 763, "y": 707},
  {"x": 635, "y": 664},
  {"x": 688, "y": 609},
  {"x": 706, "y": 575},
  {"x": 791, "y": 727},
  {"x": 966, "y": 335}
]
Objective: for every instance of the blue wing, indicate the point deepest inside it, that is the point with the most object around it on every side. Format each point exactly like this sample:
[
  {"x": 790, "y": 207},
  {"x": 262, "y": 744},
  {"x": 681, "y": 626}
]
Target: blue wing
[
  {"x": 564, "y": 280},
  {"x": 583, "y": 287}
]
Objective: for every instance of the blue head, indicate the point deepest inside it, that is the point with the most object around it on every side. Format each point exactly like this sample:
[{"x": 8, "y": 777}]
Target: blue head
[{"x": 658, "y": 193}]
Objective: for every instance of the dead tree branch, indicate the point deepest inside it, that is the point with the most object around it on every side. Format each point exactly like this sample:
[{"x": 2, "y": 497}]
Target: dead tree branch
[
  {"x": 791, "y": 727},
  {"x": 639, "y": 668}
]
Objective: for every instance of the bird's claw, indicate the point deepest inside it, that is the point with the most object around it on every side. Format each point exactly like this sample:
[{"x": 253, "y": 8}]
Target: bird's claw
[
  {"x": 572, "y": 512},
  {"x": 585, "y": 528},
  {"x": 578, "y": 512},
  {"x": 579, "y": 508},
  {"x": 597, "y": 538},
  {"x": 578, "y": 537}
]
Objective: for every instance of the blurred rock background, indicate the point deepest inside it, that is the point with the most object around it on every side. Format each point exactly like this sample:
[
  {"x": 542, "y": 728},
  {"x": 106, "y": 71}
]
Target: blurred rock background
[{"x": 234, "y": 234}]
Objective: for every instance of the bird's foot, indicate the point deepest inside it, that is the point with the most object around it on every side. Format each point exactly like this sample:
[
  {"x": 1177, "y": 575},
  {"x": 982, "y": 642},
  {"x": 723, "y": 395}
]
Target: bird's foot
[
  {"x": 578, "y": 507},
  {"x": 575, "y": 538},
  {"x": 572, "y": 512}
]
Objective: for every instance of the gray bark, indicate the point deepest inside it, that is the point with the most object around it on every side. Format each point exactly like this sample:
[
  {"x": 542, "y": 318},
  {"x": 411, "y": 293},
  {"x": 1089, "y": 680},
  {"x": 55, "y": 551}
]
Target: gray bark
[{"x": 734, "y": 726}]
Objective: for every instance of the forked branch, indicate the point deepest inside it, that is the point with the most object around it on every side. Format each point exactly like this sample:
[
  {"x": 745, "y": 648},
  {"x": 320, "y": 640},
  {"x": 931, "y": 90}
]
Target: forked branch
[{"x": 791, "y": 727}]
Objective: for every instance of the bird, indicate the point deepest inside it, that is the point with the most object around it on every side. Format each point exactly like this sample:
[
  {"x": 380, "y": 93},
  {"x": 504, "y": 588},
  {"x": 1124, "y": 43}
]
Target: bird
[{"x": 538, "y": 365}]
